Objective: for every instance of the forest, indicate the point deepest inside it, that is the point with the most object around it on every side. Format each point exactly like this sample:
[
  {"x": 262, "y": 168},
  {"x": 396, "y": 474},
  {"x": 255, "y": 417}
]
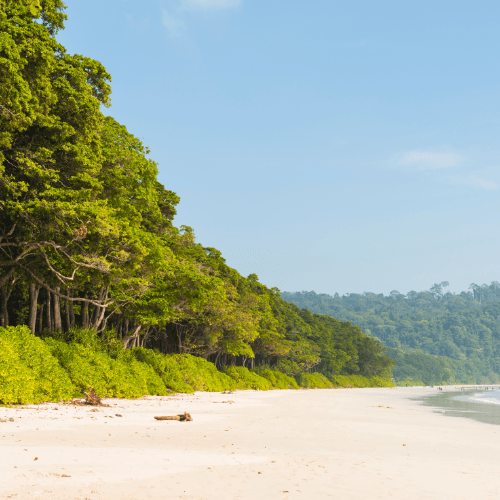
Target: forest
[
  {"x": 90, "y": 255},
  {"x": 433, "y": 335}
]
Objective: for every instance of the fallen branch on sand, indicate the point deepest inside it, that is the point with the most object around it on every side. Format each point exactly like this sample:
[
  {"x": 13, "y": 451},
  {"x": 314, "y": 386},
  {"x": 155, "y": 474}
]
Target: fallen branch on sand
[
  {"x": 186, "y": 417},
  {"x": 92, "y": 398}
]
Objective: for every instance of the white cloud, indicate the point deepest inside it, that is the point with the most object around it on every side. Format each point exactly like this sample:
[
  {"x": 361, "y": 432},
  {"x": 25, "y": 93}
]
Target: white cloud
[
  {"x": 430, "y": 159},
  {"x": 178, "y": 12},
  {"x": 476, "y": 182},
  {"x": 210, "y": 4},
  {"x": 176, "y": 27}
]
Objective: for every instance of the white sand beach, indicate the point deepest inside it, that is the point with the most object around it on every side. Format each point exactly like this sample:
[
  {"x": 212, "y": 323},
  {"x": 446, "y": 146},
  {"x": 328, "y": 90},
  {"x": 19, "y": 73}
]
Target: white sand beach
[{"x": 308, "y": 444}]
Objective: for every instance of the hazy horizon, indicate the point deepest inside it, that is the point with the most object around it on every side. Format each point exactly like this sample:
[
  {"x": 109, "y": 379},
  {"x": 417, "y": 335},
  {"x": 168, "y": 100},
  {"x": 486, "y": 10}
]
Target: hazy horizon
[{"x": 445, "y": 290}]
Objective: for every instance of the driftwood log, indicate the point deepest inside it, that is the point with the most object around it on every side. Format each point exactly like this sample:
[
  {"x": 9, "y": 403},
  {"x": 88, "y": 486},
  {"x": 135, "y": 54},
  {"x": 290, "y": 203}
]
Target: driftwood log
[{"x": 185, "y": 417}]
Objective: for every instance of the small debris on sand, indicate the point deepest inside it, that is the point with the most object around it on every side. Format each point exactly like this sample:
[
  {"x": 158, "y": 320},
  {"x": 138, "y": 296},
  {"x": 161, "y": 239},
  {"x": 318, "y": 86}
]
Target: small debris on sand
[
  {"x": 185, "y": 417},
  {"x": 92, "y": 398}
]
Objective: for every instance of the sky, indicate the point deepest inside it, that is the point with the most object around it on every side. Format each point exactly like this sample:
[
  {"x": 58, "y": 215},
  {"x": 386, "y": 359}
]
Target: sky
[{"x": 330, "y": 146}]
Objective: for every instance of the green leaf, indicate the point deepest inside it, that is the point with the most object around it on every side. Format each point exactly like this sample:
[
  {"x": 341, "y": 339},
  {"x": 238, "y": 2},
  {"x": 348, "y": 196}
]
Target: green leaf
[{"x": 35, "y": 7}]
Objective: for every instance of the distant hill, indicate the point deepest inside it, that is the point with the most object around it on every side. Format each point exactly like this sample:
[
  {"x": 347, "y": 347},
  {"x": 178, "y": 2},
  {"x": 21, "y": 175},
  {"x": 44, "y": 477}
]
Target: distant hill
[{"x": 462, "y": 327}]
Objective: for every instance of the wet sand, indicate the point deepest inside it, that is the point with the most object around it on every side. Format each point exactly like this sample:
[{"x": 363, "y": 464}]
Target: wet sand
[{"x": 308, "y": 444}]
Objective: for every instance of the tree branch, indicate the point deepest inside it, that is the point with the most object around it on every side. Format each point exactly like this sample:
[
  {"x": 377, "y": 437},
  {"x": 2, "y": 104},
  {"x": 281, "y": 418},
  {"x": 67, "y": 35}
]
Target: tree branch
[{"x": 61, "y": 295}]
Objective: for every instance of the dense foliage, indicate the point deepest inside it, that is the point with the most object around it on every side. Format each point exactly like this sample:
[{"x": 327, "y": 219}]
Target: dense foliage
[
  {"x": 34, "y": 369},
  {"x": 433, "y": 335},
  {"x": 87, "y": 243}
]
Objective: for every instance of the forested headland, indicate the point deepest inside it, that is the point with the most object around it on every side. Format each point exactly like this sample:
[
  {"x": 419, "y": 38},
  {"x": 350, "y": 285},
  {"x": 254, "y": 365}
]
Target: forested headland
[
  {"x": 98, "y": 285},
  {"x": 434, "y": 335}
]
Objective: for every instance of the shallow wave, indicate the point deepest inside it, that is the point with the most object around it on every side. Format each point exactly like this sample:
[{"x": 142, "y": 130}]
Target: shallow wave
[{"x": 482, "y": 398}]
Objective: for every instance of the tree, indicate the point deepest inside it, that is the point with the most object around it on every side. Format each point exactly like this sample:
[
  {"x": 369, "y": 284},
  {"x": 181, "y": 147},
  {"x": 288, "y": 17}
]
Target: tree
[{"x": 49, "y": 146}]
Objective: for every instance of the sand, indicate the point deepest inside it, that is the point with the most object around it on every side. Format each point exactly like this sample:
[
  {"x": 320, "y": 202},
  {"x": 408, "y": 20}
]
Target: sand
[{"x": 308, "y": 444}]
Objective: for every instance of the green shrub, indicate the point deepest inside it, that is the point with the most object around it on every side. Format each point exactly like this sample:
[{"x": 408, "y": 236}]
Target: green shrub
[
  {"x": 153, "y": 381},
  {"x": 409, "y": 382},
  {"x": 312, "y": 380},
  {"x": 381, "y": 382},
  {"x": 245, "y": 379},
  {"x": 350, "y": 381},
  {"x": 28, "y": 371},
  {"x": 121, "y": 378},
  {"x": 359, "y": 381},
  {"x": 61, "y": 365},
  {"x": 288, "y": 367},
  {"x": 341, "y": 380},
  {"x": 184, "y": 372},
  {"x": 277, "y": 379}
]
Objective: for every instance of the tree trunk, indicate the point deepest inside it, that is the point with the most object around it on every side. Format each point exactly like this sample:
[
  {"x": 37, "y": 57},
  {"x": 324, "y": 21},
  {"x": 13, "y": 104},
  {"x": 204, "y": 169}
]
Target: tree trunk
[
  {"x": 100, "y": 319},
  {"x": 40, "y": 320},
  {"x": 6, "y": 277},
  {"x": 101, "y": 311},
  {"x": 67, "y": 311},
  {"x": 96, "y": 313},
  {"x": 90, "y": 314},
  {"x": 145, "y": 337},
  {"x": 34, "y": 291},
  {"x": 118, "y": 329},
  {"x": 57, "y": 311},
  {"x": 49, "y": 311},
  {"x": 131, "y": 338},
  {"x": 179, "y": 338},
  {"x": 5, "y": 311},
  {"x": 72, "y": 309},
  {"x": 104, "y": 321},
  {"x": 85, "y": 313}
]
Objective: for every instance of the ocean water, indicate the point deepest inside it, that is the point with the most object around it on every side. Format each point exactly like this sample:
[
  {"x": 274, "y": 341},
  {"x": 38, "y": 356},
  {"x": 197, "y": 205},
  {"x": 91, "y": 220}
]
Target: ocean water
[{"x": 475, "y": 403}]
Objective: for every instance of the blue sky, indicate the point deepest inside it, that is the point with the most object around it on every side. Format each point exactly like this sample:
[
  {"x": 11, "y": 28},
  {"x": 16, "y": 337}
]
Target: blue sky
[{"x": 328, "y": 146}]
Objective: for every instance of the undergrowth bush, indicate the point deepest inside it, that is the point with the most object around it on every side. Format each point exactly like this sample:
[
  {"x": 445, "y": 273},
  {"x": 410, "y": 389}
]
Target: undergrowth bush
[
  {"x": 381, "y": 382},
  {"x": 28, "y": 371},
  {"x": 359, "y": 381},
  {"x": 313, "y": 380},
  {"x": 277, "y": 379},
  {"x": 184, "y": 372},
  {"x": 61, "y": 366},
  {"x": 409, "y": 382},
  {"x": 121, "y": 378},
  {"x": 288, "y": 367},
  {"x": 245, "y": 379}
]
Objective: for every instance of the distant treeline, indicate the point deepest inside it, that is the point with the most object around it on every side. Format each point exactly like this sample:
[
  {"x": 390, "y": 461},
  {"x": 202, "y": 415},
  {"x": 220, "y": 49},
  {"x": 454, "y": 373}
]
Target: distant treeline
[{"x": 461, "y": 327}]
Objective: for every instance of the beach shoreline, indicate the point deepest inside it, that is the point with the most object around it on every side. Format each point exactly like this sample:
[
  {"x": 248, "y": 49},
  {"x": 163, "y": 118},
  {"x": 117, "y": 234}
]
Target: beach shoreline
[{"x": 323, "y": 443}]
